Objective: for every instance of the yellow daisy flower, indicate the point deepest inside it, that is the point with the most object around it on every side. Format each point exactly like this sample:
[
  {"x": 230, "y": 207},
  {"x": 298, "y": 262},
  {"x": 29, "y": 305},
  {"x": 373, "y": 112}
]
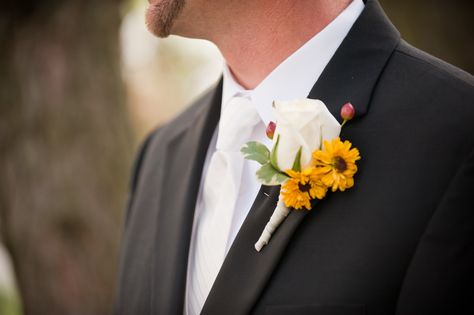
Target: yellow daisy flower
[
  {"x": 301, "y": 188},
  {"x": 336, "y": 164}
]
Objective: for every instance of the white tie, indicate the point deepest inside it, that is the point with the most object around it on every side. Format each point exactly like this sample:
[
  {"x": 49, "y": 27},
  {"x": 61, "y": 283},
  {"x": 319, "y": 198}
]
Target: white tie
[{"x": 219, "y": 195}]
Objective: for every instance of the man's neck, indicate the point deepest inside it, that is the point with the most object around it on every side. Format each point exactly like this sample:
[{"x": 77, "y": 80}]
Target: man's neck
[{"x": 256, "y": 44}]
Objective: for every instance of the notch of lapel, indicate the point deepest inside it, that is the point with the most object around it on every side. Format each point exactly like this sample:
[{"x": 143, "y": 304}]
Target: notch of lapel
[
  {"x": 351, "y": 75},
  {"x": 353, "y": 72},
  {"x": 185, "y": 155}
]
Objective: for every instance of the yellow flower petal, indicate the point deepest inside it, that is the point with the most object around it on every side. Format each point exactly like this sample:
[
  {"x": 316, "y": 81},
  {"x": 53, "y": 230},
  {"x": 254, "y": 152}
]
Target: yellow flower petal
[
  {"x": 336, "y": 163},
  {"x": 302, "y": 187}
]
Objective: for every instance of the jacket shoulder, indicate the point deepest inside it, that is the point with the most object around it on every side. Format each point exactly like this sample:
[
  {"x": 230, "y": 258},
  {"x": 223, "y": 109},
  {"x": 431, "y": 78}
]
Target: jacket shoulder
[
  {"x": 424, "y": 82},
  {"x": 439, "y": 69},
  {"x": 421, "y": 91},
  {"x": 163, "y": 134}
]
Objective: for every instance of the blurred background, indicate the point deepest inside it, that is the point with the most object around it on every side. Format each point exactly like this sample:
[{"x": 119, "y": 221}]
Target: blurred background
[{"x": 81, "y": 83}]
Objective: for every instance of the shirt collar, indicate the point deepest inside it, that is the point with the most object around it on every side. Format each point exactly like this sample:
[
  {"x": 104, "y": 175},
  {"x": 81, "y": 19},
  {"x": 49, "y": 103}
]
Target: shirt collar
[{"x": 296, "y": 75}]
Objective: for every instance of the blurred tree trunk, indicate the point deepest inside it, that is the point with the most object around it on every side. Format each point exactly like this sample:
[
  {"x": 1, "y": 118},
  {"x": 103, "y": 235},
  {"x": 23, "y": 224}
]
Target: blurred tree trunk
[{"x": 64, "y": 151}]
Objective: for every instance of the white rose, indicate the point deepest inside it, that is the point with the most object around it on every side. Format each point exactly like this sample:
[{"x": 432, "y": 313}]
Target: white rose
[{"x": 302, "y": 123}]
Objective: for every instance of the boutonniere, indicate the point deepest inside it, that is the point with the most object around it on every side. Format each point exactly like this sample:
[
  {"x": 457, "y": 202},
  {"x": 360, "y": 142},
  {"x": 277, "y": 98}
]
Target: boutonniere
[{"x": 307, "y": 157}]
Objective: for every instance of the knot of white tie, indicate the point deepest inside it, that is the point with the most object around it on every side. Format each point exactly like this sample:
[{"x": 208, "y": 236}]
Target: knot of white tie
[{"x": 238, "y": 118}]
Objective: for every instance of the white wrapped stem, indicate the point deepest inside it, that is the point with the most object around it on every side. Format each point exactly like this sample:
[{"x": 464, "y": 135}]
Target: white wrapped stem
[{"x": 279, "y": 214}]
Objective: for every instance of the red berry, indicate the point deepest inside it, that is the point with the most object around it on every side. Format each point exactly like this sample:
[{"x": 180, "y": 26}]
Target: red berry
[
  {"x": 347, "y": 111},
  {"x": 271, "y": 129}
]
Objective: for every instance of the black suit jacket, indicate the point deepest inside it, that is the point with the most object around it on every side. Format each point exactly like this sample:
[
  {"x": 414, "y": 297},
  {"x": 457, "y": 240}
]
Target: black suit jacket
[{"x": 400, "y": 242}]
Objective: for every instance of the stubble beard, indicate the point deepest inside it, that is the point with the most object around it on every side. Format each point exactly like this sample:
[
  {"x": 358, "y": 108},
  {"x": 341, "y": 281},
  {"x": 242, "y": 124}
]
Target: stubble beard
[{"x": 161, "y": 15}]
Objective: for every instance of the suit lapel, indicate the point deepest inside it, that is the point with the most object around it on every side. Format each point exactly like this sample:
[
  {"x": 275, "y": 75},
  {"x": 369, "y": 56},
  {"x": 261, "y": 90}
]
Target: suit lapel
[
  {"x": 351, "y": 76},
  {"x": 184, "y": 160},
  {"x": 245, "y": 272}
]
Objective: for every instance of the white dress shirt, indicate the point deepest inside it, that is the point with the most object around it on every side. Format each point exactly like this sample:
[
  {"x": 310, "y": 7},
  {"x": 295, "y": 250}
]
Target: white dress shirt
[{"x": 292, "y": 79}]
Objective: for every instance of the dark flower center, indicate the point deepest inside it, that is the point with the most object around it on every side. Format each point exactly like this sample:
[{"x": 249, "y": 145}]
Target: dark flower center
[
  {"x": 304, "y": 187},
  {"x": 340, "y": 164}
]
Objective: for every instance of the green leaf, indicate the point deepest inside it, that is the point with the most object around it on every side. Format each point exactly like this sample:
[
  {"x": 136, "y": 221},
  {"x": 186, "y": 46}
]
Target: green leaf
[
  {"x": 256, "y": 151},
  {"x": 273, "y": 156},
  {"x": 297, "y": 163},
  {"x": 269, "y": 176}
]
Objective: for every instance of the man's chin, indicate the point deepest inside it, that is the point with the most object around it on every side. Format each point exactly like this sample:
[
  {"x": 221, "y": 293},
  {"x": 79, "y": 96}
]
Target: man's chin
[
  {"x": 160, "y": 16},
  {"x": 154, "y": 21}
]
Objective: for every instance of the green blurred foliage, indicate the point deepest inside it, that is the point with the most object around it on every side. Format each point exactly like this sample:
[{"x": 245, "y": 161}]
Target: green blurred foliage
[{"x": 9, "y": 303}]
